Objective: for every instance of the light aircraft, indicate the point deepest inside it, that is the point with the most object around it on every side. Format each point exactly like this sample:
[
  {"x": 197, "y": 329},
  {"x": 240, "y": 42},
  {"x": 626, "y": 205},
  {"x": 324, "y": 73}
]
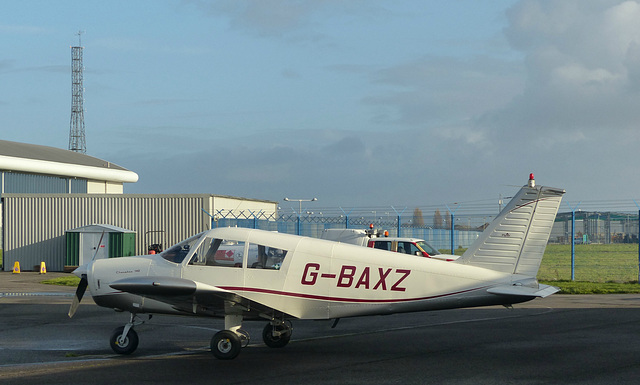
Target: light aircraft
[{"x": 246, "y": 274}]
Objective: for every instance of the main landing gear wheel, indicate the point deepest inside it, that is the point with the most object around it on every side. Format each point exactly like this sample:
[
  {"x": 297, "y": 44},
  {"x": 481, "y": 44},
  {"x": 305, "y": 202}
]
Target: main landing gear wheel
[
  {"x": 226, "y": 345},
  {"x": 245, "y": 338},
  {"x": 124, "y": 344},
  {"x": 276, "y": 336}
]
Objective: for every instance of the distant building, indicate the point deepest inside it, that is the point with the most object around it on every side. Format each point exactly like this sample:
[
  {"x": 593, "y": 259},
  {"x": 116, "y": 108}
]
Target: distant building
[
  {"x": 603, "y": 227},
  {"x": 48, "y": 192},
  {"x": 30, "y": 168}
]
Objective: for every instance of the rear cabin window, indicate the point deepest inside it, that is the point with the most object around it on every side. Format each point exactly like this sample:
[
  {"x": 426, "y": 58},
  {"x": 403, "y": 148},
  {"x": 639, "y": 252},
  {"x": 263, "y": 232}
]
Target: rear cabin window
[
  {"x": 219, "y": 252},
  {"x": 265, "y": 257}
]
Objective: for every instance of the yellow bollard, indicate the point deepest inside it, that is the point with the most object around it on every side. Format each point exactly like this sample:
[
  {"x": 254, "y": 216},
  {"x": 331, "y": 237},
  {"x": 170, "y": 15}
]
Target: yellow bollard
[
  {"x": 43, "y": 268},
  {"x": 16, "y": 268}
]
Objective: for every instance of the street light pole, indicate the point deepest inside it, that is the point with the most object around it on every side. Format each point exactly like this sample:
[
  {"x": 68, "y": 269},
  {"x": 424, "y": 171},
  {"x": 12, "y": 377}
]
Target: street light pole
[
  {"x": 300, "y": 207},
  {"x": 300, "y": 202}
]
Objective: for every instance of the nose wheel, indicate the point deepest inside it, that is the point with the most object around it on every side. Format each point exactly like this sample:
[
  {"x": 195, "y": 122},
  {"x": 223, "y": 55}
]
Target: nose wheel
[
  {"x": 122, "y": 343},
  {"x": 124, "y": 340},
  {"x": 226, "y": 345}
]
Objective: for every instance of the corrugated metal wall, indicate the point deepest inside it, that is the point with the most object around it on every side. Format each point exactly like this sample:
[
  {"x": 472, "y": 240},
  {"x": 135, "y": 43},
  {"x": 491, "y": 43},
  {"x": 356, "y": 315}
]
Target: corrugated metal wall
[
  {"x": 78, "y": 186},
  {"x": 35, "y": 224},
  {"x": 15, "y": 182}
]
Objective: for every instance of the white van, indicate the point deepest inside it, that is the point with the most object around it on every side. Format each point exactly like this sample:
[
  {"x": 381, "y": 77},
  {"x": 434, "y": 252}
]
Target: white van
[
  {"x": 413, "y": 246},
  {"x": 371, "y": 238},
  {"x": 351, "y": 236}
]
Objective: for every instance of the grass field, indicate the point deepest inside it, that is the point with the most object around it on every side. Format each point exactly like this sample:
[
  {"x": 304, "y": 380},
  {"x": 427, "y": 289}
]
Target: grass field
[
  {"x": 615, "y": 263},
  {"x": 593, "y": 263},
  {"x": 599, "y": 269}
]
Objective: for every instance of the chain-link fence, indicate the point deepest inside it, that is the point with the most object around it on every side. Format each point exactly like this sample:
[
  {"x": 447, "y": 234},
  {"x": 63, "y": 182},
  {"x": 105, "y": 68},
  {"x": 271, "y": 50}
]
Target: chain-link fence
[
  {"x": 605, "y": 248},
  {"x": 312, "y": 225}
]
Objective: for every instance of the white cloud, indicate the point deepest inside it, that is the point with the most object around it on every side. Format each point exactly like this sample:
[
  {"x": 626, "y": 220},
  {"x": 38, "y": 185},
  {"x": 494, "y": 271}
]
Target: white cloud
[
  {"x": 262, "y": 17},
  {"x": 146, "y": 46},
  {"x": 582, "y": 64},
  {"x": 15, "y": 29},
  {"x": 437, "y": 91},
  {"x": 296, "y": 20},
  {"x": 577, "y": 75}
]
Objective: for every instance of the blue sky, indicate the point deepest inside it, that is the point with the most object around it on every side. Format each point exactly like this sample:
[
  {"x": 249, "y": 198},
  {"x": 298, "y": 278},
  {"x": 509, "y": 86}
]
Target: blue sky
[{"x": 357, "y": 103}]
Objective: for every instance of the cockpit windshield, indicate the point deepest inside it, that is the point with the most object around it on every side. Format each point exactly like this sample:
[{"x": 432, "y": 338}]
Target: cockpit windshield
[
  {"x": 178, "y": 252},
  {"x": 427, "y": 248}
]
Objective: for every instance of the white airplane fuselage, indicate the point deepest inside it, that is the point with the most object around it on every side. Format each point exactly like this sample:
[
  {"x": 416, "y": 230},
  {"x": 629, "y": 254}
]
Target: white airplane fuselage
[
  {"x": 317, "y": 280},
  {"x": 238, "y": 274}
]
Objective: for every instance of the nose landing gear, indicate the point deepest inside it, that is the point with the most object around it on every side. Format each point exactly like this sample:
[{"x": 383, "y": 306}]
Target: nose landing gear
[
  {"x": 124, "y": 340},
  {"x": 124, "y": 343},
  {"x": 225, "y": 345}
]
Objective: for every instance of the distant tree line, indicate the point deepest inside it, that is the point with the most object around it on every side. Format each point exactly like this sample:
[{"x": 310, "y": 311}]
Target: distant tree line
[{"x": 440, "y": 221}]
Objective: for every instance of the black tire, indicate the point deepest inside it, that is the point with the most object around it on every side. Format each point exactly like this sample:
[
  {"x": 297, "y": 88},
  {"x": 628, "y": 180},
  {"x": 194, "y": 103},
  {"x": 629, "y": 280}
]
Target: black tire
[
  {"x": 225, "y": 345},
  {"x": 130, "y": 343},
  {"x": 276, "y": 342}
]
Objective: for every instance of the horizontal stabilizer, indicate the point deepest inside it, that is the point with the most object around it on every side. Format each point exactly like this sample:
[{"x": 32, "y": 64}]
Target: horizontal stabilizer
[
  {"x": 541, "y": 291},
  {"x": 156, "y": 286}
]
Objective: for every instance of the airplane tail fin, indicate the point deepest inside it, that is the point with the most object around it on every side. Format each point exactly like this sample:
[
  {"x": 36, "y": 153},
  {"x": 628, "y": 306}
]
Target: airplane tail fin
[{"x": 516, "y": 239}]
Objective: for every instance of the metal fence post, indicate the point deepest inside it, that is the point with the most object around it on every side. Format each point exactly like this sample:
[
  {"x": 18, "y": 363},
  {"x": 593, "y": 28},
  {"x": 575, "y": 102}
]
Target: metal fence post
[
  {"x": 573, "y": 245},
  {"x": 399, "y": 219},
  {"x": 255, "y": 218},
  {"x": 211, "y": 220},
  {"x": 573, "y": 240},
  {"x": 346, "y": 216},
  {"x": 638, "y": 206},
  {"x": 453, "y": 227}
]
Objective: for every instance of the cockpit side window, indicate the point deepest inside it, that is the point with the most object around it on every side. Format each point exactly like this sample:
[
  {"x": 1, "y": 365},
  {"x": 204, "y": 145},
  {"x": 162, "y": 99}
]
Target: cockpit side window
[
  {"x": 219, "y": 252},
  {"x": 178, "y": 252},
  {"x": 265, "y": 257}
]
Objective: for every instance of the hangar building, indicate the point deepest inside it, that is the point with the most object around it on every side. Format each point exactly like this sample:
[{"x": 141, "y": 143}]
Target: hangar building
[
  {"x": 47, "y": 192},
  {"x": 29, "y": 168}
]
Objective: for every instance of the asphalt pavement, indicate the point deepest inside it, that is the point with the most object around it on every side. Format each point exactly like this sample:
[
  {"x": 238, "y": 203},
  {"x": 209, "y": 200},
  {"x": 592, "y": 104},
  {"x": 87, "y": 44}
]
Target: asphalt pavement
[
  {"x": 31, "y": 282},
  {"x": 562, "y": 339}
]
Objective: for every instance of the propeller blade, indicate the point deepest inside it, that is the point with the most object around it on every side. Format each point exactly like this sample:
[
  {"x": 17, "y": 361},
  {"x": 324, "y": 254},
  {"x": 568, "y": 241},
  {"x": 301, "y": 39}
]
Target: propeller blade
[{"x": 82, "y": 287}]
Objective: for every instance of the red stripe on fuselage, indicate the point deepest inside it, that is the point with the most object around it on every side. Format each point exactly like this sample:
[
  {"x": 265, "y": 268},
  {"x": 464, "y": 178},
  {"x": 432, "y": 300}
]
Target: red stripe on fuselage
[{"x": 339, "y": 299}]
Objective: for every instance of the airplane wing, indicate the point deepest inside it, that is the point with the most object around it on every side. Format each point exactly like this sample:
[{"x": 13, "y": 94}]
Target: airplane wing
[
  {"x": 189, "y": 296},
  {"x": 524, "y": 291}
]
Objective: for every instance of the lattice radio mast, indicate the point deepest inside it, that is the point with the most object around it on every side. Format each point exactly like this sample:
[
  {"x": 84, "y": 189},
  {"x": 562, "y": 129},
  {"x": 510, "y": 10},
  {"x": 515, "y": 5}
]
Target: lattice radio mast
[{"x": 77, "y": 140}]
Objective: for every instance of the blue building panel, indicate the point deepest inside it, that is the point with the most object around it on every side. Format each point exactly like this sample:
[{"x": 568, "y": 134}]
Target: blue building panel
[
  {"x": 19, "y": 183},
  {"x": 78, "y": 186}
]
